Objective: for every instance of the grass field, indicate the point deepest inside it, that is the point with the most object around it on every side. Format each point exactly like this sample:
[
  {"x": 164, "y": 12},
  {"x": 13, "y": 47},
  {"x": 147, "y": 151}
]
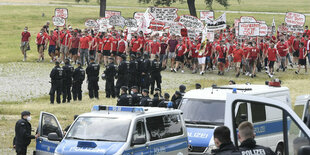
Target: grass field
[{"x": 14, "y": 18}]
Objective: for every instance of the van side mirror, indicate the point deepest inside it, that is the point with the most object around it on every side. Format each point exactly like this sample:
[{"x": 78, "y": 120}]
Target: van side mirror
[
  {"x": 138, "y": 141},
  {"x": 304, "y": 150},
  {"x": 53, "y": 137}
]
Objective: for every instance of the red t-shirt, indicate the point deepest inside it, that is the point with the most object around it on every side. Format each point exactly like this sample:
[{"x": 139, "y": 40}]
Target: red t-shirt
[
  {"x": 246, "y": 51},
  {"x": 195, "y": 50},
  {"x": 155, "y": 47},
  {"x": 84, "y": 42},
  {"x": 75, "y": 42},
  {"x": 180, "y": 49},
  {"x": 65, "y": 38},
  {"x": 114, "y": 42},
  {"x": 221, "y": 51},
  {"x": 121, "y": 46},
  {"x": 25, "y": 36},
  {"x": 254, "y": 52},
  {"x": 107, "y": 43},
  {"x": 238, "y": 55},
  {"x": 52, "y": 40},
  {"x": 136, "y": 43},
  {"x": 40, "y": 39},
  {"x": 296, "y": 45},
  {"x": 100, "y": 43},
  {"x": 272, "y": 54},
  {"x": 208, "y": 49},
  {"x": 302, "y": 52},
  {"x": 281, "y": 47}
]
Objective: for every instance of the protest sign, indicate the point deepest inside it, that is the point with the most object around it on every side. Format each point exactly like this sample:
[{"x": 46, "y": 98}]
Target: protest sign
[
  {"x": 91, "y": 23},
  {"x": 247, "y": 19},
  {"x": 249, "y": 29},
  {"x": 292, "y": 18},
  {"x": 236, "y": 26},
  {"x": 117, "y": 20},
  {"x": 263, "y": 30},
  {"x": 144, "y": 21},
  {"x": 175, "y": 29},
  {"x": 282, "y": 29},
  {"x": 103, "y": 24},
  {"x": 163, "y": 14},
  {"x": 204, "y": 15},
  {"x": 191, "y": 33},
  {"x": 110, "y": 13},
  {"x": 295, "y": 28},
  {"x": 131, "y": 22},
  {"x": 61, "y": 12},
  {"x": 156, "y": 25},
  {"x": 138, "y": 15},
  {"x": 58, "y": 21},
  {"x": 218, "y": 24},
  {"x": 207, "y": 34},
  {"x": 191, "y": 22}
]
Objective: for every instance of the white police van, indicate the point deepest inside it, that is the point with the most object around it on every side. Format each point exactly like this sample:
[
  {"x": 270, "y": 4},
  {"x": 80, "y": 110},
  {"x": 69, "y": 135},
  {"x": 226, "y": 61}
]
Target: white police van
[
  {"x": 206, "y": 109},
  {"x": 116, "y": 130}
]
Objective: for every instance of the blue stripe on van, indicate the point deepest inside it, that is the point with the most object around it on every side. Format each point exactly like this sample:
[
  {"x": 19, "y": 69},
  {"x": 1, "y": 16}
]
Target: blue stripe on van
[{"x": 266, "y": 128}]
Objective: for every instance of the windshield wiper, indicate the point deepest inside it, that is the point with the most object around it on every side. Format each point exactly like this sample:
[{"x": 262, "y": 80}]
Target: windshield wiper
[
  {"x": 202, "y": 122},
  {"x": 75, "y": 138}
]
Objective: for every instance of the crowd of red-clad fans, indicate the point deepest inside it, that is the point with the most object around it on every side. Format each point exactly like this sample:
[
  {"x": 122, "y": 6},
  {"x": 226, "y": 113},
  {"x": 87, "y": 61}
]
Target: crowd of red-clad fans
[{"x": 245, "y": 55}]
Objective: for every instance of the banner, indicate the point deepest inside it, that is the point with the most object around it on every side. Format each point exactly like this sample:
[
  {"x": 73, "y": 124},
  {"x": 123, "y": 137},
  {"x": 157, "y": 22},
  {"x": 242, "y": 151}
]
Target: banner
[
  {"x": 175, "y": 29},
  {"x": 61, "y": 12},
  {"x": 263, "y": 30},
  {"x": 249, "y": 29},
  {"x": 207, "y": 34},
  {"x": 218, "y": 24},
  {"x": 58, "y": 21},
  {"x": 282, "y": 29},
  {"x": 204, "y": 15},
  {"x": 295, "y": 28},
  {"x": 110, "y": 13},
  {"x": 247, "y": 19},
  {"x": 156, "y": 25},
  {"x": 117, "y": 20},
  {"x": 131, "y": 22},
  {"x": 144, "y": 22},
  {"x": 91, "y": 23},
  {"x": 103, "y": 24},
  {"x": 164, "y": 14},
  {"x": 138, "y": 15},
  {"x": 292, "y": 18},
  {"x": 191, "y": 22},
  {"x": 191, "y": 33}
]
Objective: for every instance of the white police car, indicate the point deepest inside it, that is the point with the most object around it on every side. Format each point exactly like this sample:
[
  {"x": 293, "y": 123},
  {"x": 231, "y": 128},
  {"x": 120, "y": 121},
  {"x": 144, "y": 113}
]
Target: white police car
[{"x": 116, "y": 130}]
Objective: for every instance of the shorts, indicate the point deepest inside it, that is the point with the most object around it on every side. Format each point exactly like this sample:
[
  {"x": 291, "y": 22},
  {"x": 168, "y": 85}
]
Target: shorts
[
  {"x": 208, "y": 59},
  {"x": 40, "y": 46},
  {"x": 73, "y": 51},
  {"x": 186, "y": 56},
  {"x": 92, "y": 52},
  {"x": 119, "y": 54},
  {"x": 222, "y": 60},
  {"x": 24, "y": 46},
  {"x": 238, "y": 64},
  {"x": 195, "y": 60},
  {"x": 132, "y": 52},
  {"x": 171, "y": 55},
  {"x": 283, "y": 59},
  {"x": 253, "y": 61},
  {"x": 64, "y": 49},
  {"x": 302, "y": 62},
  {"x": 163, "y": 57},
  {"x": 296, "y": 53},
  {"x": 202, "y": 60},
  {"x": 114, "y": 53},
  {"x": 51, "y": 49},
  {"x": 271, "y": 64},
  {"x": 179, "y": 58},
  {"x": 106, "y": 53}
]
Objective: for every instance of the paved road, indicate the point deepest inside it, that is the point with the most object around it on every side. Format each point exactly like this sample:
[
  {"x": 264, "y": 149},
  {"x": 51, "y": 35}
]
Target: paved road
[{"x": 137, "y": 7}]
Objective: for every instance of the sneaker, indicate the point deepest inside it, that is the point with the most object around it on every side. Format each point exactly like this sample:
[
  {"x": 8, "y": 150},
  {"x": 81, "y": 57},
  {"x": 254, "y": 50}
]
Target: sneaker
[
  {"x": 270, "y": 76},
  {"x": 24, "y": 59},
  {"x": 238, "y": 75},
  {"x": 182, "y": 71},
  {"x": 250, "y": 75},
  {"x": 296, "y": 72},
  {"x": 292, "y": 65},
  {"x": 278, "y": 69},
  {"x": 171, "y": 69},
  {"x": 174, "y": 70},
  {"x": 247, "y": 73}
]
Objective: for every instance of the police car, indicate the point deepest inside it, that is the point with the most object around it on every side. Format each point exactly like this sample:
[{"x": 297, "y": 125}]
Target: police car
[
  {"x": 116, "y": 130},
  {"x": 206, "y": 109}
]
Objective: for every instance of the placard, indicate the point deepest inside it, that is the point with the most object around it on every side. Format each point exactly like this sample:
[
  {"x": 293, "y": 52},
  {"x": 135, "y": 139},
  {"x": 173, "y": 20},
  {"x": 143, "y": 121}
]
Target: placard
[
  {"x": 218, "y": 24},
  {"x": 58, "y": 21},
  {"x": 191, "y": 22},
  {"x": 164, "y": 14},
  {"x": 103, "y": 24},
  {"x": 295, "y": 28},
  {"x": 61, "y": 12},
  {"x": 110, "y": 13},
  {"x": 204, "y": 15},
  {"x": 263, "y": 30},
  {"x": 249, "y": 29},
  {"x": 117, "y": 20},
  {"x": 156, "y": 25},
  {"x": 247, "y": 19},
  {"x": 138, "y": 15},
  {"x": 91, "y": 23},
  {"x": 282, "y": 29},
  {"x": 175, "y": 29},
  {"x": 131, "y": 22},
  {"x": 292, "y": 18}
]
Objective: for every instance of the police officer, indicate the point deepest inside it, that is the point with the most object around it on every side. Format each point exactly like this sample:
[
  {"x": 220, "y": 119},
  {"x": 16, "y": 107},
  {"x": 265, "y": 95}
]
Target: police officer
[
  {"x": 92, "y": 72},
  {"x": 67, "y": 81},
  {"x": 248, "y": 144},
  {"x": 145, "y": 72},
  {"x": 125, "y": 99},
  {"x": 223, "y": 142},
  {"x": 145, "y": 100},
  {"x": 177, "y": 99},
  {"x": 164, "y": 103},
  {"x": 182, "y": 89},
  {"x": 23, "y": 134},
  {"x": 156, "y": 68},
  {"x": 133, "y": 71},
  {"x": 136, "y": 96},
  {"x": 157, "y": 97},
  {"x": 78, "y": 78},
  {"x": 139, "y": 59},
  {"x": 122, "y": 74},
  {"x": 56, "y": 76},
  {"x": 110, "y": 73},
  {"x": 198, "y": 86}
]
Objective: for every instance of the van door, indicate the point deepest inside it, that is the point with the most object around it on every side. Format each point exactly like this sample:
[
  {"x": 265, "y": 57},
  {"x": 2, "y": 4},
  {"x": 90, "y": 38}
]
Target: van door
[
  {"x": 48, "y": 123},
  {"x": 293, "y": 131},
  {"x": 138, "y": 139},
  {"x": 306, "y": 113}
]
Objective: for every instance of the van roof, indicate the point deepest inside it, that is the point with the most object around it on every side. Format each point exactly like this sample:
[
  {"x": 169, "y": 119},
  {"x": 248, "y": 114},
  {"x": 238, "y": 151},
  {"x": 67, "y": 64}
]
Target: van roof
[
  {"x": 301, "y": 100},
  {"x": 220, "y": 93}
]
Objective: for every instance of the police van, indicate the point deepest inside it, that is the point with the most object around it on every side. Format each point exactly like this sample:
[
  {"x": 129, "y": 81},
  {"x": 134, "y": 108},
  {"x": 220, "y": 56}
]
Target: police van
[
  {"x": 115, "y": 130},
  {"x": 206, "y": 109}
]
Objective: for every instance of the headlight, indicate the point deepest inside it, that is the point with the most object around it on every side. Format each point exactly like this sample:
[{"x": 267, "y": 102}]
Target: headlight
[{"x": 210, "y": 148}]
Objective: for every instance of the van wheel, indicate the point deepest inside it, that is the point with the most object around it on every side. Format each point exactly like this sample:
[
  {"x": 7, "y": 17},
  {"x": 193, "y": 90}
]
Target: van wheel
[{"x": 280, "y": 150}]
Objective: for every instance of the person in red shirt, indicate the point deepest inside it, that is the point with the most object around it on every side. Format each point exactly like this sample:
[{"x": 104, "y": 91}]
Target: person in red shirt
[
  {"x": 180, "y": 50},
  {"x": 64, "y": 41},
  {"x": 237, "y": 57},
  {"x": 136, "y": 45},
  {"x": 207, "y": 54},
  {"x": 107, "y": 48},
  {"x": 282, "y": 51},
  {"x": 246, "y": 59},
  {"x": 41, "y": 44},
  {"x": 272, "y": 57},
  {"x": 83, "y": 48},
  {"x": 52, "y": 45},
  {"x": 114, "y": 46},
  {"x": 232, "y": 47},
  {"x": 195, "y": 47},
  {"x": 93, "y": 45},
  {"x": 155, "y": 48},
  {"x": 163, "y": 51},
  {"x": 100, "y": 48},
  {"x": 253, "y": 56},
  {"x": 122, "y": 48},
  {"x": 295, "y": 48},
  {"x": 221, "y": 52},
  {"x": 302, "y": 57},
  {"x": 24, "y": 45},
  {"x": 74, "y": 46}
]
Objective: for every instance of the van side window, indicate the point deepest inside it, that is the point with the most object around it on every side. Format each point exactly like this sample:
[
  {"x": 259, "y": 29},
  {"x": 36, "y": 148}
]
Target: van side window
[
  {"x": 164, "y": 126},
  {"x": 49, "y": 125},
  {"x": 258, "y": 113},
  {"x": 139, "y": 130},
  {"x": 242, "y": 114}
]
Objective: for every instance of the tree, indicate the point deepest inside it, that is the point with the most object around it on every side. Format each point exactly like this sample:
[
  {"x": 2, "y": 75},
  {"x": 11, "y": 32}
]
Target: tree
[{"x": 103, "y": 6}]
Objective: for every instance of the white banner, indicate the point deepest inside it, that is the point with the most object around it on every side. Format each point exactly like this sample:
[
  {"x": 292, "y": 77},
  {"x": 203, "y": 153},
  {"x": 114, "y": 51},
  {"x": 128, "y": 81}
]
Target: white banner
[
  {"x": 164, "y": 14},
  {"x": 292, "y": 18},
  {"x": 58, "y": 21},
  {"x": 263, "y": 30},
  {"x": 91, "y": 23},
  {"x": 218, "y": 24},
  {"x": 204, "y": 15},
  {"x": 109, "y": 13},
  {"x": 144, "y": 22},
  {"x": 247, "y": 19},
  {"x": 61, "y": 12},
  {"x": 295, "y": 28},
  {"x": 191, "y": 22},
  {"x": 249, "y": 29},
  {"x": 103, "y": 24},
  {"x": 175, "y": 29},
  {"x": 117, "y": 20},
  {"x": 131, "y": 22}
]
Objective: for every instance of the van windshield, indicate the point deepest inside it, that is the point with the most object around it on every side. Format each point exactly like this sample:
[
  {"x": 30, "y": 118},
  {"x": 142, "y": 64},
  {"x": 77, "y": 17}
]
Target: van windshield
[
  {"x": 100, "y": 129},
  {"x": 199, "y": 111}
]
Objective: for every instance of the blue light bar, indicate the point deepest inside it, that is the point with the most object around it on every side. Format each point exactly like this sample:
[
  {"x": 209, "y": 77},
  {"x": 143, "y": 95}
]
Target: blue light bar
[{"x": 117, "y": 108}]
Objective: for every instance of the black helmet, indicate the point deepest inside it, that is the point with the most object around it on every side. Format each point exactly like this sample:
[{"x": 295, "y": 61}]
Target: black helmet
[{"x": 182, "y": 88}]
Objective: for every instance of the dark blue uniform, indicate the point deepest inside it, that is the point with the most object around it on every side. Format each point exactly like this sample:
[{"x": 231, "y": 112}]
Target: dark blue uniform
[
  {"x": 78, "y": 78},
  {"x": 110, "y": 73},
  {"x": 155, "y": 74},
  {"x": 122, "y": 76},
  {"x": 145, "y": 74},
  {"x": 67, "y": 82},
  {"x": 22, "y": 136},
  {"x": 56, "y": 75},
  {"x": 92, "y": 72}
]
